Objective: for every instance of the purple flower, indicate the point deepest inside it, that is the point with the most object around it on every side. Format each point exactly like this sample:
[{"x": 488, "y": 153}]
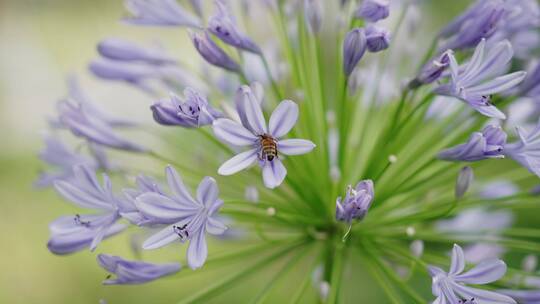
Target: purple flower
[
  {"x": 134, "y": 272},
  {"x": 187, "y": 219},
  {"x": 373, "y": 10},
  {"x": 134, "y": 73},
  {"x": 489, "y": 143},
  {"x": 475, "y": 82},
  {"x": 356, "y": 203},
  {"x": 159, "y": 13},
  {"x": 313, "y": 11},
  {"x": 354, "y": 47},
  {"x": 527, "y": 150},
  {"x": 222, "y": 25},
  {"x": 212, "y": 53},
  {"x": 449, "y": 287},
  {"x": 377, "y": 38},
  {"x": 264, "y": 141},
  {"x": 73, "y": 233},
  {"x": 522, "y": 296},
  {"x": 58, "y": 155},
  {"x": 479, "y": 22},
  {"x": 124, "y": 50},
  {"x": 80, "y": 120},
  {"x": 193, "y": 112}
]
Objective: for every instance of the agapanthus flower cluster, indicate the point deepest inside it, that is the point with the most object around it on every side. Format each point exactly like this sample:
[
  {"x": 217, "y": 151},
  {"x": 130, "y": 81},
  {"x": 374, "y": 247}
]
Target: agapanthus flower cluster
[{"x": 284, "y": 147}]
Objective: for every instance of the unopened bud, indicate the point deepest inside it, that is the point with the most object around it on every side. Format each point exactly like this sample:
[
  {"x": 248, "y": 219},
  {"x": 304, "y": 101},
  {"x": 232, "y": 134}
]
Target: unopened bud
[
  {"x": 464, "y": 180},
  {"x": 354, "y": 47},
  {"x": 313, "y": 14},
  {"x": 417, "y": 248},
  {"x": 529, "y": 263}
]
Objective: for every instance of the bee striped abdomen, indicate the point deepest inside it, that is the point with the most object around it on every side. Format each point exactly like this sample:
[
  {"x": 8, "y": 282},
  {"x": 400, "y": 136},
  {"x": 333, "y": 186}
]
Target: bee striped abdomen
[{"x": 268, "y": 147}]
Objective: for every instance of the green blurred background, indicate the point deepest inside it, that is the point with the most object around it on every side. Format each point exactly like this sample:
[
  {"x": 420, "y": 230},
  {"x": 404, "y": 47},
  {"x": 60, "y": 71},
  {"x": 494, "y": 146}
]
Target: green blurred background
[{"x": 41, "y": 41}]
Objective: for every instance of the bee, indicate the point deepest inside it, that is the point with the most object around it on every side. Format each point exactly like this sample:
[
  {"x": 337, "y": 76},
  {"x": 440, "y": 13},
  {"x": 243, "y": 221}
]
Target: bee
[{"x": 268, "y": 147}]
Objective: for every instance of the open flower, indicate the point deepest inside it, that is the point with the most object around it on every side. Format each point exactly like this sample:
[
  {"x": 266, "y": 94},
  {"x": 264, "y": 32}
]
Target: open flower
[
  {"x": 187, "y": 218},
  {"x": 192, "y": 112},
  {"x": 481, "y": 145},
  {"x": 266, "y": 145},
  {"x": 477, "y": 81},
  {"x": 356, "y": 203},
  {"x": 73, "y": 233},
  {"x": 134, "y": 272},
  {"x": 449, "y": 287}
]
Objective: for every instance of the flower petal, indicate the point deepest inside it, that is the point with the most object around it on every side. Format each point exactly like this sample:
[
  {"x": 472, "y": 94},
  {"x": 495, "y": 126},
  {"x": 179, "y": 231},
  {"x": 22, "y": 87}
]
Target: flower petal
[
  {"x": 273, "y": 173},
  {"x": 283, "y": 118},
  {"x": 483, "y": 273},
  {"x": 238, "y": 162},
  {"x": 215, "y": 227},
  {"x": 162, "y": 238},
  {"x": 207, "y": 192},
  {"x": 497, "y": 85},
  {"x": 233, "y": 132},
  {"x": 295, "y": 146},
  {"x": 177, "y": 186},
  {"x": 163, "y": 209},
  {"x": 197, "y": 250},
  {"x": 254, "y": 115},
  {"x": 458, "y": 260},
  {"x": 481, "y": 296}
]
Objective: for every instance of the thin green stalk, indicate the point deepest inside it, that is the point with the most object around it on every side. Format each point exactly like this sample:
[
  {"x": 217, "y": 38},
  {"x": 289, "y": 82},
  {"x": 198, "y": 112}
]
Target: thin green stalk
[{"x": 222, "y": 285}]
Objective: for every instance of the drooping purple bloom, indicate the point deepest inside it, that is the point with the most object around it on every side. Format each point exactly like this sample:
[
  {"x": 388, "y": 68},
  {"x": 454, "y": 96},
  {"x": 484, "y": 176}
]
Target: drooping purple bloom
[
  {"x": 354, "y": 47},
  {"x": 313, "y": 14},
  {"x": 433, "y": 70},
  {"x": 212, "y": 53},
  {"x": 373, "y": 10},
  {"x": 73, "y": 233},
  {"x": 377, "y": 38},
  {"x": 527, "y": 150},
  {"x": 58, "y": 155},
  {"x": 85, "y": 120},
  {"x": 192, "y": 112},
  {"x": 187, "y": 219},
  {"x": 75, "y": 117},
  {"x": 134, "y": 272},
  {"x": 449, "y": 287},
  {"x": 159, "y": 13},
  {"x": 489, "y": 143},
  {"x": 223, "y": 26},
  {"x": 356, "y": 203},
  {"x": 478, "y": 22},
  {"x": 124, "y": 50},
  {"x": 477, "y": 81},
  {"x": 266, "y": 145}
]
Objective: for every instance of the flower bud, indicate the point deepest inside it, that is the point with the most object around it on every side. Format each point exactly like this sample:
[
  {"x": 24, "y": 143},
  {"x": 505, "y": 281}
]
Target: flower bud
[
  {"x": 432, "y": 70},
  {"x": 354, "y": 47},
  {"x": 251, "y": 194},
  {"x": 313, "y": 14},
  {"x": 378, "y": 38},
  {"x": 417, "y": 248},
  {"x": 212, "y": 53},
  {"x": 463, "y": 182},
  {"x": 529, "y": 263},
  {"x": 373, "y": 10}
]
